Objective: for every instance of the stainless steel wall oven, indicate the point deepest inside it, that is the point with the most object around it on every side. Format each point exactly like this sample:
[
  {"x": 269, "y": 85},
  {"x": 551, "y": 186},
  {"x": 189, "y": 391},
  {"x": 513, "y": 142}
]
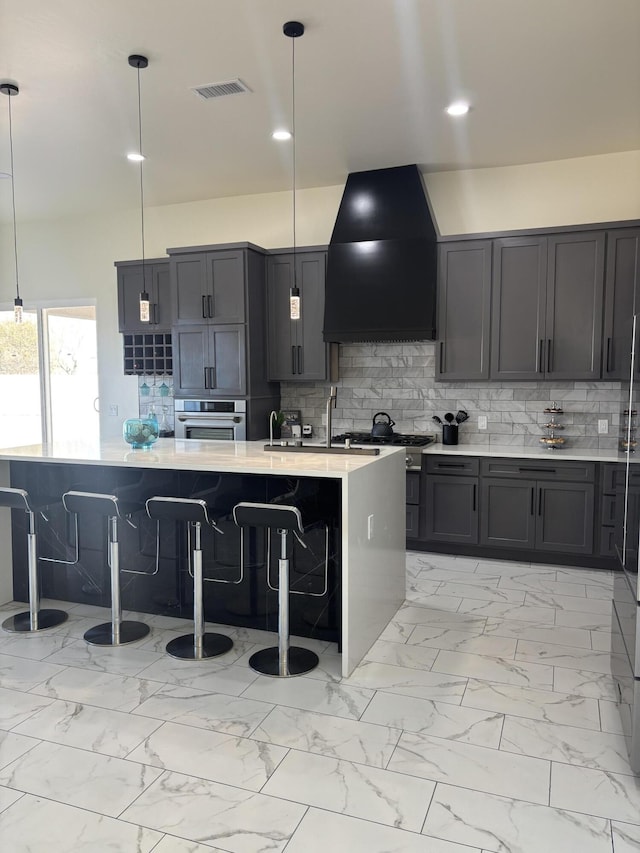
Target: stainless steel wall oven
[{"x": 218, "y": 420}]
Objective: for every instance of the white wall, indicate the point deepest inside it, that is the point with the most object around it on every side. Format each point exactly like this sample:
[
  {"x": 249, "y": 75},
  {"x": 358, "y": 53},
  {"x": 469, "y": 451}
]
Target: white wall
[{"x": 73, "y": 258}]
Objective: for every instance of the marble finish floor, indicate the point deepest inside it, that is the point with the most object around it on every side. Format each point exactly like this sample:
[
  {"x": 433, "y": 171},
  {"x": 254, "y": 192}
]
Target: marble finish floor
[{"x": 483, "y": 719}]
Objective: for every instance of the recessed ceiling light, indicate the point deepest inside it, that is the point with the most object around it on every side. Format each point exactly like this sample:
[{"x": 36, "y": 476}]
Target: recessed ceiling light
[
  {"x": 458, "y": 108},
  {"x": 281, "y": 134},
  {"x": 136, "y": 157}
]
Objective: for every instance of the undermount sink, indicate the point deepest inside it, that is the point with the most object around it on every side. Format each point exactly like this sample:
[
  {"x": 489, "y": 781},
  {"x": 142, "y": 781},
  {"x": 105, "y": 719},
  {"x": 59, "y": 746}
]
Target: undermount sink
[{"x": 317, "y": 448}]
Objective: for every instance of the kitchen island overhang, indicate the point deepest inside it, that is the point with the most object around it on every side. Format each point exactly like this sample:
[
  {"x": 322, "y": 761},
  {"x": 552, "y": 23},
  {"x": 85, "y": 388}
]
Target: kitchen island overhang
[{"x": 370, "y": 517}]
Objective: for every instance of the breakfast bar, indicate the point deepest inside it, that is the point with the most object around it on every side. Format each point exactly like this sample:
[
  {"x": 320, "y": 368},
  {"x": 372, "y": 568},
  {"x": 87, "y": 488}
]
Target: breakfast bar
[{"x": 361, "y": 500}]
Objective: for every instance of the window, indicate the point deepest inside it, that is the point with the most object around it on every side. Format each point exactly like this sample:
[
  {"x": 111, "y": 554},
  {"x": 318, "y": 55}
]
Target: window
[{"x": 48, "y": 375}]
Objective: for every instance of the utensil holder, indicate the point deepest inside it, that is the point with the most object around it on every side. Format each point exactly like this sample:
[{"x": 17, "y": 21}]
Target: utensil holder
[{"x": 450, "y": 433}]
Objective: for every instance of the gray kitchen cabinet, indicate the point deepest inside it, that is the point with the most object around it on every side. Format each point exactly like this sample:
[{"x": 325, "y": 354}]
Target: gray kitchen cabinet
[
  {"x": 565, "y": 517},
  {"x": 130, "y": 286},
  {"x": 208, "y": 286},
  {"x": 464, "y": 310},
  {"x": 209, "y": 360},
  {"x": 451, "y": 499},
  {"x": 413, "y": 504},
  {"x": 296, "y": 349},
  {"x": 622, "y": 298},
  {"x": 507, "y": 519},
  {"x": 547, "y": 307}
]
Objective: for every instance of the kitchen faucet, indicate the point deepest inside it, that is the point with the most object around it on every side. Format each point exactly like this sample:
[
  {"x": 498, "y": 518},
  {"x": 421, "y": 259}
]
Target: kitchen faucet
[{"x": 331, "y": 404}]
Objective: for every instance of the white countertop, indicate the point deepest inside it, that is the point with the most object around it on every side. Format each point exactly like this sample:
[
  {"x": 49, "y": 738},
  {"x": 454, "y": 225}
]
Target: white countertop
[
  {"x": 247, "y": 457},
  {"x": 569, "y": 454}
]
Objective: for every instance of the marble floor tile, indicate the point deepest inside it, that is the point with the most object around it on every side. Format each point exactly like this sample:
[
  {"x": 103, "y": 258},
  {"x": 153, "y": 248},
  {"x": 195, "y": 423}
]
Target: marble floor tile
[
  {"x": 568, "y": 602},
  {"x": 401, "y": 654},
  {"x": 429, "y": 560},
  {"x": 587, "y": 621},
  {"x": 24, "y": 674},
  {"x": 626, "y": 837},
  {"x": 612, "y": 795},
  {"x": 397, "y": 632},
  {"x": 519, "y": 612},
  {"x": 532, "y": 704},
  {"x": 569, "y": 657},
  {"x": 342, "y": 700},
  {"x": 600, "y": 641},
  {"x": 79, "y": 778},
  {"x": 602, "y": 592},
  {"x": 506, "y": 568},
  {"x": 506, "y": 825},
  {"x": 433, "y": 636},
  {"x": 611, "y": 717},
  {"x": 204, "y": 674},
  {"x": 412, "y": 615},
  {"x": 210, "y": 755},
  {"x": 13, "y": 745},
  {"x": 542, "y": 583},
  {"x": 408, "y": 682},
  {"x": 333, "y": 737},
  {"x": 322, "y": 831},
  {"x": 353, "y": 789},
  {"x": 502, "y": 670},
  {"x": 593, "y": 684},
  {"x": 451, "y": 575},
  {"x": 171, "y": 844},
  {"x": 32, "y": 646},
  {"x": 481, "y": 592},
  {"x": 96, "y": 729},
  {"x": 117, "y": 692},
  {"x": 570, "y": 744},
  {"x": 76, "y": 626},
  {"x": 60, "y": 828},
  {"x": 477, "y": 767},
  {"x": 16, "y": 707},
  {"x": 205, "y": 710},
  {"x": 420, "y": 589},
  {"x": 439, "y": 719},
  {"x": 215, "y": 814},
  {"x": 538, "y": 633},
  {"x": 7, "y": 798},
  {"x": 592, "y": 577},
  {"x": 122, "y": 660}
]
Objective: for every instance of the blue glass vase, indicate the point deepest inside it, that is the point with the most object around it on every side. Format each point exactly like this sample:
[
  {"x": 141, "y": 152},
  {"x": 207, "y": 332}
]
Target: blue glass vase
[{"x": 140, "y": 432}]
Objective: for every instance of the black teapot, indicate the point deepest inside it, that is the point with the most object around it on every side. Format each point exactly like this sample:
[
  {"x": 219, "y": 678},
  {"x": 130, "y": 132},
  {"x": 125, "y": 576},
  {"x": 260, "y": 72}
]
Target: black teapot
[{"x": 382, "y": 428}]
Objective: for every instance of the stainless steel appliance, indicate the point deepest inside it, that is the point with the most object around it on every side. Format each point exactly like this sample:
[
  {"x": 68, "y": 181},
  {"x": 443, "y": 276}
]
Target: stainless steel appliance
[
  {"x": 219, "y": 420},
  {"x": 413, "y": 444},
  {"x": 625, "y": 623}
]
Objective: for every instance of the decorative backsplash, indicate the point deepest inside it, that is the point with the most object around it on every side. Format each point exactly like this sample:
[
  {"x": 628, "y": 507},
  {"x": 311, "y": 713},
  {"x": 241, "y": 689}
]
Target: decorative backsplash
[
  {"x": 399, "y": 379},
  {"x": 155, "y": 393}
]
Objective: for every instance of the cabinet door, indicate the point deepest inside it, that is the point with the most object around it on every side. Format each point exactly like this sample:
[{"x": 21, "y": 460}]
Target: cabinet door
[
  {"x": 160, "y": 296},
  {"x": 191, "y": 359},
  {"x": 312, "y": 352},
  {"x": 518, "y": 314},
  {"x": 508, "y": 515},
  {"x": 413, "y": 521},
  {"x": 464, "y": 308},
  {"x": 189, "y": 288},
  {"x": 622, "y": 292},
  {"x": 281, "y": 352},
  {"x": 226, "y": 364},
  {"x": 451, "y": 506},
  {"x": 575, "y": 286},
  {"x": 225, "y": 287},
  {"x": 129, "y": 289},
  {"x": 565, "y": 517}
]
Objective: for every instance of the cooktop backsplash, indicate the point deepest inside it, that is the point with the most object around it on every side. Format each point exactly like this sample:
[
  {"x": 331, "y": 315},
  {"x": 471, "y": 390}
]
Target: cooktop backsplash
[{"x": 399, "y": 379}]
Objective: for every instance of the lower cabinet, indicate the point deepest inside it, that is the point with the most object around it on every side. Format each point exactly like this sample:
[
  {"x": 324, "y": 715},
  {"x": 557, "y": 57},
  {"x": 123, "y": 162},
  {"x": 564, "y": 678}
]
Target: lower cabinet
[
  {"x": 508, "y": 513},
  {"x": 451, "y": 509},
  {"x": 413, "y": 504}
]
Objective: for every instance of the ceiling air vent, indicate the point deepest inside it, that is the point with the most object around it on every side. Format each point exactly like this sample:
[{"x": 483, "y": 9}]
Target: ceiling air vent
[{"x": 219, "y": 90}]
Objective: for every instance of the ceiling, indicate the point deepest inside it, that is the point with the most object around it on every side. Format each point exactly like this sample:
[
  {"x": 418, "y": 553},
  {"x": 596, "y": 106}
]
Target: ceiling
[{"x": 546, "y": 80}]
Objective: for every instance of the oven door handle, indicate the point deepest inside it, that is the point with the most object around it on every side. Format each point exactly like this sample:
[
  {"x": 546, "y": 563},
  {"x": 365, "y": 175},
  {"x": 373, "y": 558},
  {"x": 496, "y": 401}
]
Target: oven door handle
[{"x": 194, "y": 420}]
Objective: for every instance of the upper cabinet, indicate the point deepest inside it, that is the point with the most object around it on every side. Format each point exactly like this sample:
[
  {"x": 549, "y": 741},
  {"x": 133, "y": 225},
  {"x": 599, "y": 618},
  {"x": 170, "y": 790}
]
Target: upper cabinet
[
  {"x": 622, "y": 299},
  {"x": 547, "y": 307},
  {"x": 130, "y": 286},
  {"x": 464, "y": 310},
  {"x": 208, "y": 287},
  {"x": 296, "y": 348}
]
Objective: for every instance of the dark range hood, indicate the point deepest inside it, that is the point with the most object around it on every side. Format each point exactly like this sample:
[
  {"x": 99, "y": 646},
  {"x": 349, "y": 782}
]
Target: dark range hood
[{"x": 381, "y": 266}]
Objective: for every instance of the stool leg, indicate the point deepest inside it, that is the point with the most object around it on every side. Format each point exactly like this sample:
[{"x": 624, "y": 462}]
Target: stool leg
[
  {"x": 35, "y": 619},
  {"x": 198, "y": 646},
  {"x": 116, "y": 632}
]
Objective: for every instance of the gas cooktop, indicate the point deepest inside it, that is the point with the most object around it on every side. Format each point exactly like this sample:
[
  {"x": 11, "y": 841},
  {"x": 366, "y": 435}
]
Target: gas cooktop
[{"x": 397, "y": 438}]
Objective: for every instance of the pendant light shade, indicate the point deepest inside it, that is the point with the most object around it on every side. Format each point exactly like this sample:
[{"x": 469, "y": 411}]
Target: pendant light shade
[
  {"x": 293, "y": 30},
  {"x": 11, "y": 90},
  {"x": 138, "y": 62}
]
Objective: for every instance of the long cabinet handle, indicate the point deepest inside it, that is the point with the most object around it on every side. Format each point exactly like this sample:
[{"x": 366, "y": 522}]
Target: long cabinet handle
[
  {"x": 154, "y": 308},
  {"x": 522, "y": 469},
  {"x": 608, "y": 368},
  {"x": 300, "y": 361},
  {"x": 206, "y": 377},
  {"x": 212, "y": 377},
  {"x": 293, "y": 359},
  {"x": 549, "y": 367},
  {"x": 541, "y": 356},
  {"x": 475, "y": 494},
  {"x": 441, "y": 356},
  {"x": 539, "y": 501},
  {"x": 204, "y": 307},
  {"x": 533, "y": 497},
  {"x": 210, "y": 305}
]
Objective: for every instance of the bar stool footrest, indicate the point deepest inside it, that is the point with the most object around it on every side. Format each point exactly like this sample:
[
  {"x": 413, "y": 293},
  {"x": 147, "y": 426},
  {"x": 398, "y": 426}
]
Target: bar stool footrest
[
  {"x": 300, "y": 661},
  {"x": 102, "y": 635},
  {"x": 213, "y": 645},
  {"x": 21, "y": 622}
]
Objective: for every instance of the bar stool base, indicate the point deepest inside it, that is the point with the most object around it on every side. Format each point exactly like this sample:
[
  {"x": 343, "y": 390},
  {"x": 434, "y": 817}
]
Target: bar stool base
[
  {"x": 21, "y": 622},
  {"x": 213, "y": 645},
  {"x": 267, "y": 662},
  {"x": 102, "y": 635}
]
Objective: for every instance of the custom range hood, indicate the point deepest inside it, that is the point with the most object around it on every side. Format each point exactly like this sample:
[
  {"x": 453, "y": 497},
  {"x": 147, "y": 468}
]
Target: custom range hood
[{"x": 381, "y": 266}]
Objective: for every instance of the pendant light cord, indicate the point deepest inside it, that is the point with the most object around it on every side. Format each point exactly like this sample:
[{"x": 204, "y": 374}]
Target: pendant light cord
[
  {"x": 13, "y": 199},
  {"x": 293, "y": 129},
  {"x": 141, "y": 181}
]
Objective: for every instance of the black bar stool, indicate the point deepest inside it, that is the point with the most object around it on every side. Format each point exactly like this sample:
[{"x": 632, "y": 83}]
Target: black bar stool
[
  {"x": 117, "y": 632},
  {"x": 283, "y": 660},
  {"x": 195, "y": 512},
  {"x": 34, "y": 619}
]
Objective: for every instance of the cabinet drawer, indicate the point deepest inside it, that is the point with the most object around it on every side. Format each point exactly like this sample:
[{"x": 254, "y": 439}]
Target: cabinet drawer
[
  {"x": 413, "y": 487},
  {"x": 579, "y": 472},
  {"x": 465, "y": 465}
]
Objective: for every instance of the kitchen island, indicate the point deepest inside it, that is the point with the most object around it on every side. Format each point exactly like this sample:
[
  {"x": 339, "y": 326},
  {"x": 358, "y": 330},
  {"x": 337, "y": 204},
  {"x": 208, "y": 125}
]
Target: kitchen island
[{"x": 361, "y": 496}]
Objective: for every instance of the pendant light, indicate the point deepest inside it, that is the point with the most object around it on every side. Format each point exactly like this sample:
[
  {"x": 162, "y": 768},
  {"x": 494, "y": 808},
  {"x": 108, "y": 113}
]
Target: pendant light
[
  {"x": 12, "y": 90},
  {"x": 293, "y": 30},
  {"x": 136, "y": 61}
]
